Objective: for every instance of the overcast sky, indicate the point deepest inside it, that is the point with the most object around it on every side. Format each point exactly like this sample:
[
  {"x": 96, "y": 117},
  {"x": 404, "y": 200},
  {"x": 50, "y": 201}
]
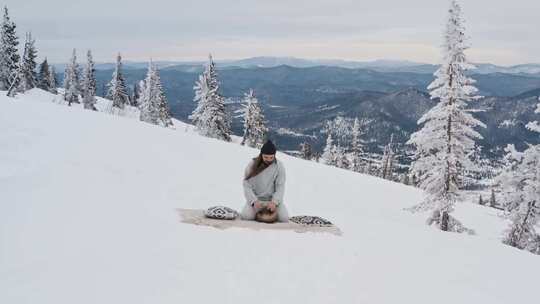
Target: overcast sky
[{"x": 502, "y": 32}]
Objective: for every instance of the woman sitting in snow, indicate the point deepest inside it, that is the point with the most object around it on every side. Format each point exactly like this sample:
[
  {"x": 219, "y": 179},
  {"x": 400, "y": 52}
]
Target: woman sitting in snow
[{"x": 264, "y": 186}]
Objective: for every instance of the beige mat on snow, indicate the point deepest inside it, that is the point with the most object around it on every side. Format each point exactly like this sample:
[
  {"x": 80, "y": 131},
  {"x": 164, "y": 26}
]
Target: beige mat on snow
[{"x": 196, "y": 217}]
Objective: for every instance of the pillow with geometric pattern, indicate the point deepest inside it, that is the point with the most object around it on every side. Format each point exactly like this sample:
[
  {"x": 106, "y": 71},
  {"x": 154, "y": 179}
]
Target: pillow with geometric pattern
[
  {"x": 221, "y": 213},
  {"x": 310, "y": 220}
]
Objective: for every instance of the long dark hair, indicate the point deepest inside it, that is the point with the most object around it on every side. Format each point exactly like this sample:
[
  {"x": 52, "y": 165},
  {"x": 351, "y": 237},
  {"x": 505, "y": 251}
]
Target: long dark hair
[{"x": 257, "y": 167}]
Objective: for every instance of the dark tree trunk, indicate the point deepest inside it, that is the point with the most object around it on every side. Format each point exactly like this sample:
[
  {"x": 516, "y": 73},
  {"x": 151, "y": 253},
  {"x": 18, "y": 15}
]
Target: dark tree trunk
[{"x": 444, "y": 221}]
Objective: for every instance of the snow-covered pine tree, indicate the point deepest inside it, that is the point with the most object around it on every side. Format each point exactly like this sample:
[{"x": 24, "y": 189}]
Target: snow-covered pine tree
[
  {"x": 508, "y": 181},
  {"x": 164, "y": 112},
  {"x": 341, "y": 158},
  {"x": 521, "y": 194},
  {"x": 52, "y": 80},
  {"x": 149, "y": 112},
  {"x": 522, "y": 233},
  {"x": 117, "y": 86},
  {"x": 414, "y": 180},
  {"x": 27, "y": 68},
  {"x": 140, "y": 90},
  {"x": 89, "y": 83},
  {"x": 71, "y": 80},
  {"x": 254, "y": 124},
  {"x": 406, "y": 179},
  {"x": 535, "y": 125},
  {"x": 306, "y": 151},
  {"x": 9, "y": 56},
  {"x": 340, "y": 127},
  {"x": 338, "y": 133},
  {"x": 153, "y": 103},
  {"x": 329, "y": 155},
  {"x": 135, "y": 96},
  {"x": 447, "y": 136},
  {"x": 369, "y": 168},
  {"x": 387, "y": 166},
  {"x": 357, "y": 148},
  {"x": 44, "y": 76},
  {"x": 203, "y": 92},
  {"x": 317, "y": 156},
  {"x": 492, "y": 200},
  {"x": 210, "y": 116}
]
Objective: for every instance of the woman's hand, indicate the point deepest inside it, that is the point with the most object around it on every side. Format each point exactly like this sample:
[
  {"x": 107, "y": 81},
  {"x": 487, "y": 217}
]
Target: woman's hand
[
  {"x": 258, "y": 205},
  {"x": 271, "y": 206}
]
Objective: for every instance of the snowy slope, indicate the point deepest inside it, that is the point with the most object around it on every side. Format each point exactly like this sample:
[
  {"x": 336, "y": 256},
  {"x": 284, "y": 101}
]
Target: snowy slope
[{"x": 87, "y": 215}]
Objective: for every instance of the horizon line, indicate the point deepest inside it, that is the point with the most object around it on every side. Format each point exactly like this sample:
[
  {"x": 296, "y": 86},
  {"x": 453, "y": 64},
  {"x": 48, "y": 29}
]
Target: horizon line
[{"x": 227, "y": 60}]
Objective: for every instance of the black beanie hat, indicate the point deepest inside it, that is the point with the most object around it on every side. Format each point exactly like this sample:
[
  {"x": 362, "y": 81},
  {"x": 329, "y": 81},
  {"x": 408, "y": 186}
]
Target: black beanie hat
[{"x": 268, "y": 148}]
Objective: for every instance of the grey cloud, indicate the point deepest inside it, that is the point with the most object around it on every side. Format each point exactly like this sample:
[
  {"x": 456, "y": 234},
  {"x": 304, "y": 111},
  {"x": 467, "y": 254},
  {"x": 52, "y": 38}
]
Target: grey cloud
[{"x": 160, "y": 26}]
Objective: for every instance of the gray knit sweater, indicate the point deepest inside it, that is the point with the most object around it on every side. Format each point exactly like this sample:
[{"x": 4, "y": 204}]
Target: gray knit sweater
[{"x": 269, "y": 185}]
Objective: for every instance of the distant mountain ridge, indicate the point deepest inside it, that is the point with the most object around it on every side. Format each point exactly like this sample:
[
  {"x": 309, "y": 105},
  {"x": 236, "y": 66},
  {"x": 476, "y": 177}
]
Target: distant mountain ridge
[
  {"x": 380, "y": 65},
  {"x": 298, "y": 100}
]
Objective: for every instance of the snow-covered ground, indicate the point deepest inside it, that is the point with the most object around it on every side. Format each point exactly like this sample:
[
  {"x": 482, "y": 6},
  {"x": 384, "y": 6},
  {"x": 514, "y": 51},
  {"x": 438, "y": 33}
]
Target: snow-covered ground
[{"x": 87, "y": 215}]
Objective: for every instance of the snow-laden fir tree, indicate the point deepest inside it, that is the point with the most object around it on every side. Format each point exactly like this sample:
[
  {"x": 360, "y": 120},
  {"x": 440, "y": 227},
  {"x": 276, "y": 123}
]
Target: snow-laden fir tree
[
  {"x": 117, "y": 91},
  {"x": 357, "y": 148},
  {"x": 44, "y": 76},
  {"x": 340, "y": 128},
  {"x": 316, "y": 156},
  {"x": 210, "y": 116},
  {"x": 508, "y": 180},
  {"x": 27, "y": 76},
  {"x": 535, "y": 125},
  {"x": 140, "y": 91},
  {"x": 387, "y": 164},
  {"x": 254, "y": 124},
  {"x": 481, "y": 201},
  {"x": 52, "y": 80},
  {"x": 9, "y": 54},
  {"x": 306, "y": 151},
  {"x": 405, "y": 179},
  {"x": 370, "y": 168},
  {"x": 164, "y": 112},
  {"x": 153, "y": 103},
  {"x": 135, "y": 96},
  {"x": 329, "y": 154},
  {"x": 492, "y": 200},
  {"x": 524, "y": 206},
  {"x": 72, "y": 88},
  {"x": 414, "y": 180},
  {"x": 338, "y": 132},
  {"x": 89, "y": 83},
  {"x": 520, "y": 183},
  {"x": 147, "y": 106},
  {"x": 341, "y": 158},
  {"x": 448, "y": 135}
]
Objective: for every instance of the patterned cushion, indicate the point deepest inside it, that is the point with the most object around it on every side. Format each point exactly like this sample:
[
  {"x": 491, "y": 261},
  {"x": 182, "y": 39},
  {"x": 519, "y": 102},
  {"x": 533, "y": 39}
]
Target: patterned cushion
[
  {"x": 221, "y": 213},
  {"x": 310, "y": 220}
]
